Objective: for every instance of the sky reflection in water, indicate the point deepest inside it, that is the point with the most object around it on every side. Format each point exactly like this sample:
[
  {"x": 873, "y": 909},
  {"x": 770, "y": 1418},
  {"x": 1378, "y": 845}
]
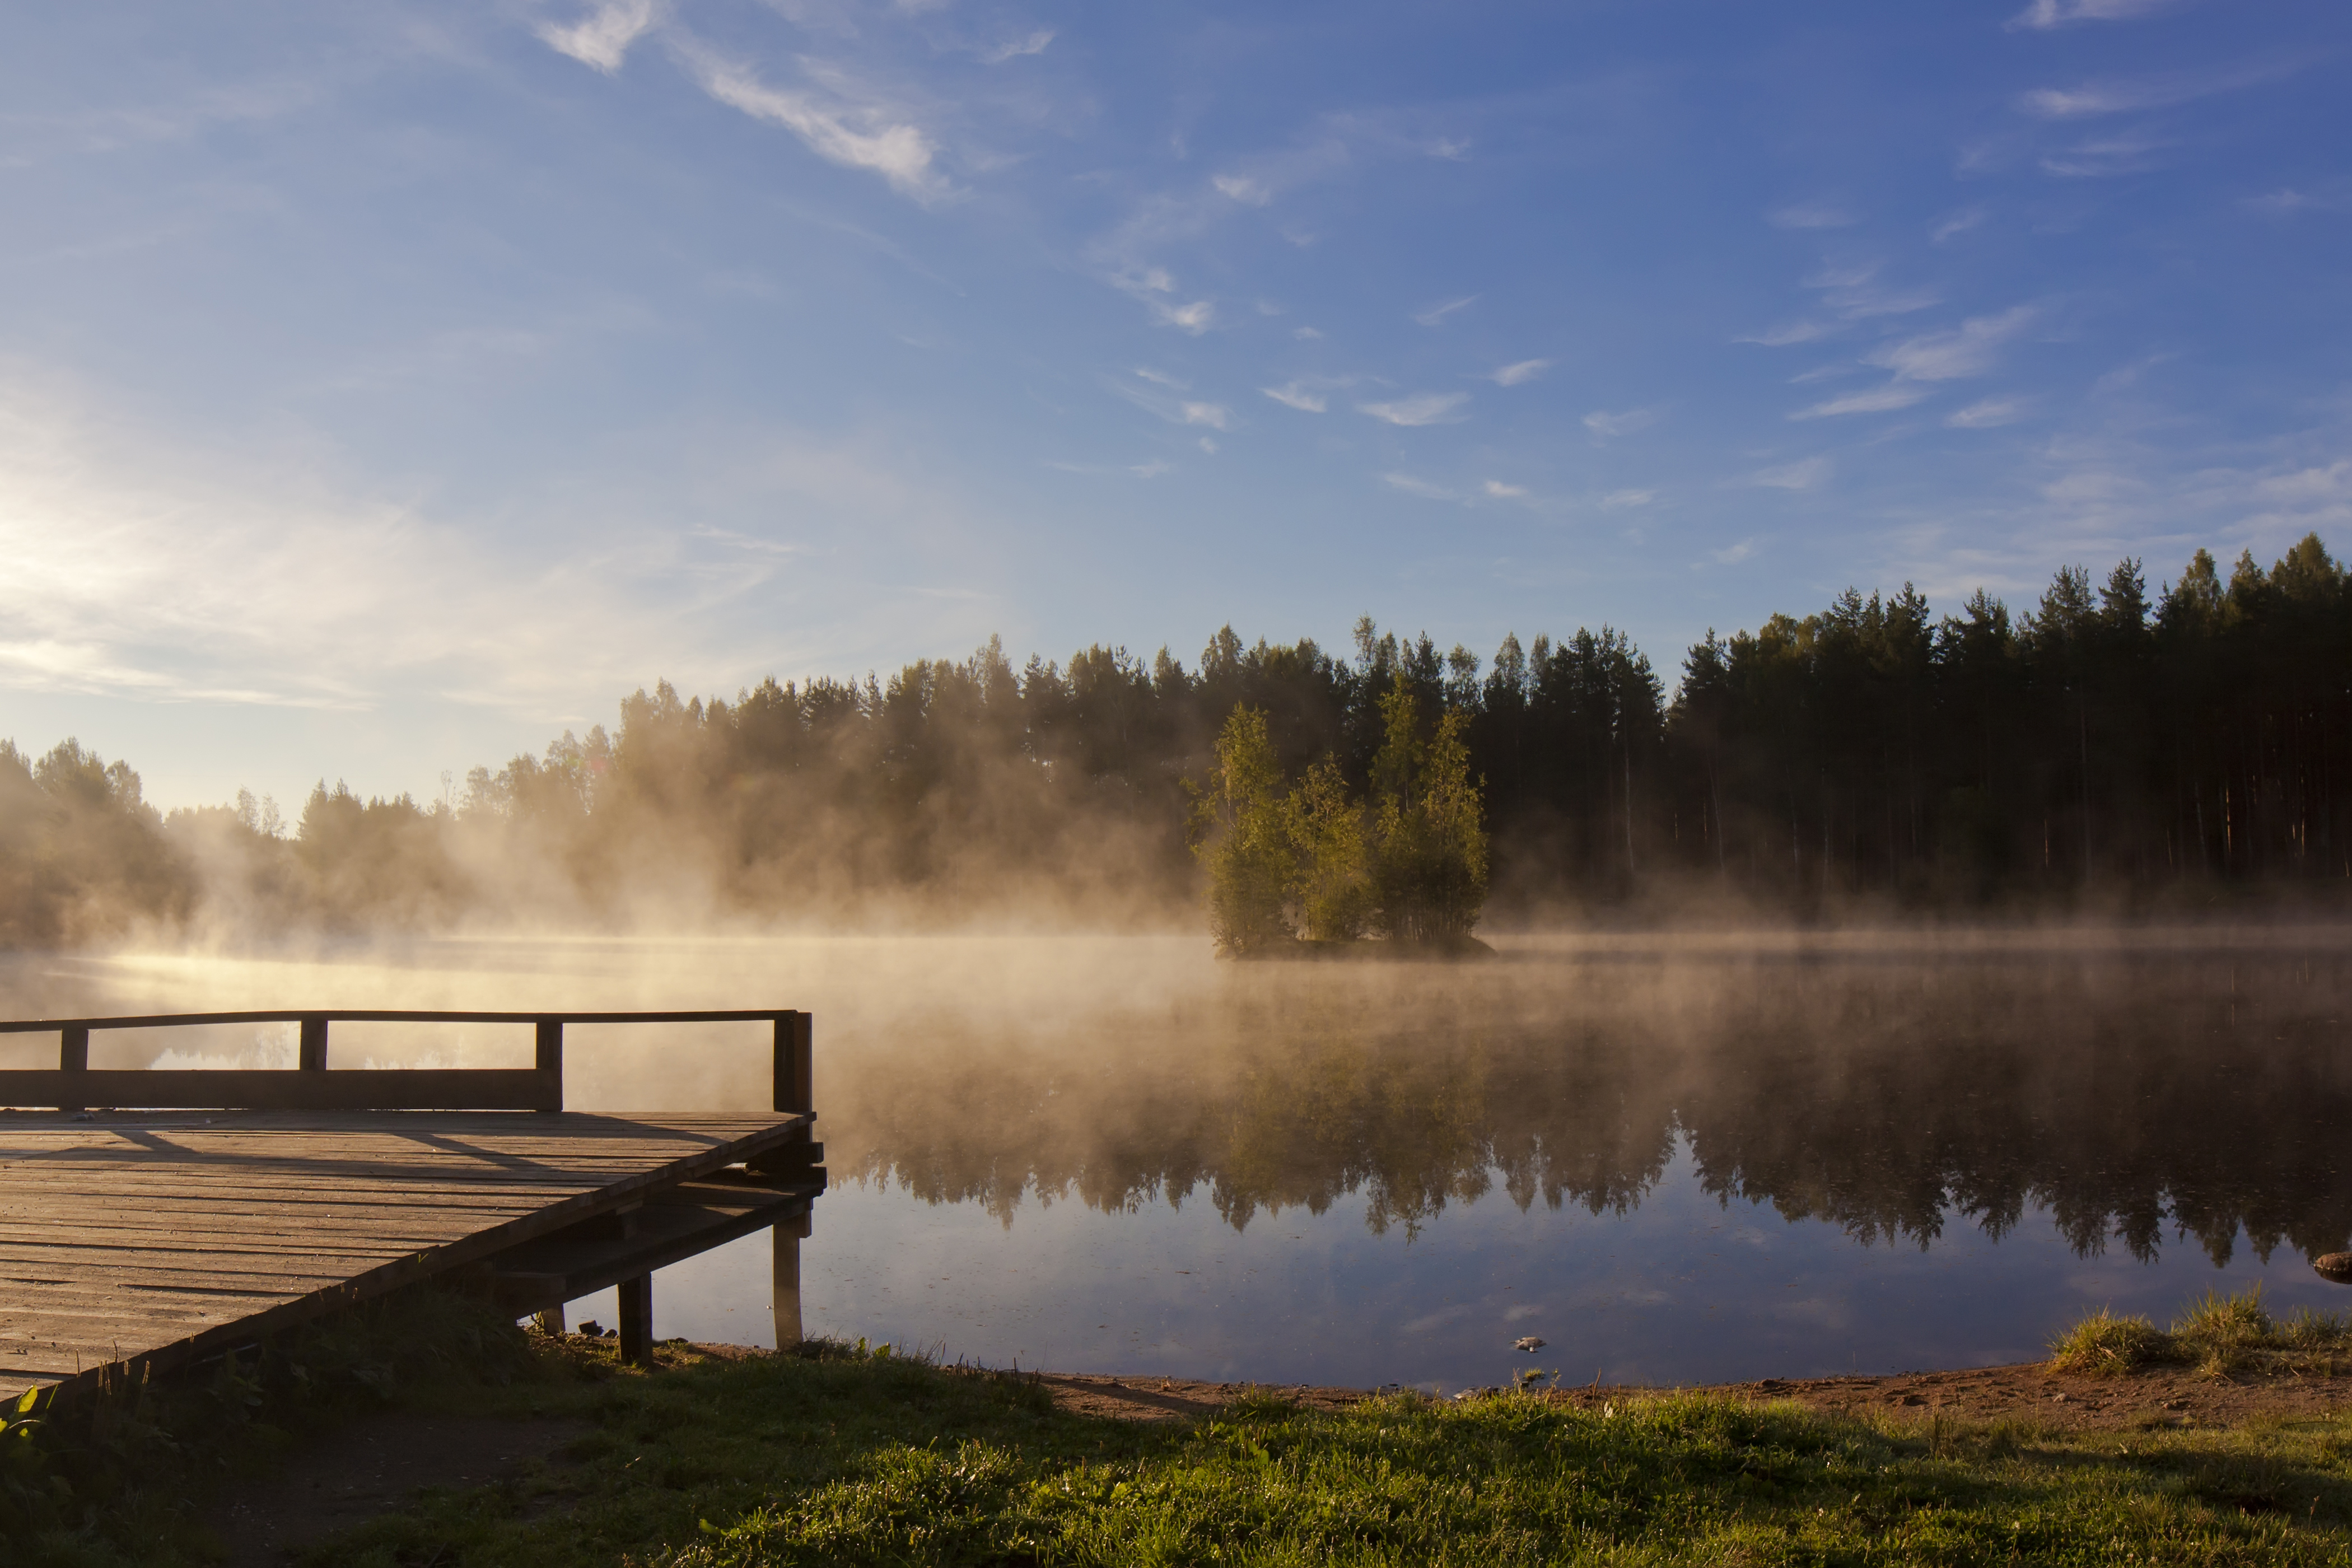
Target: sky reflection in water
[{"x": 1674, "y": 1161}]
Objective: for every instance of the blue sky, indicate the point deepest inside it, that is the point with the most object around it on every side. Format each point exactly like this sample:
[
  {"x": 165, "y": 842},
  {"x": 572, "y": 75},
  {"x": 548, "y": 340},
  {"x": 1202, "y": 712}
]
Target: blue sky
[{"x": 384, "y": 389}]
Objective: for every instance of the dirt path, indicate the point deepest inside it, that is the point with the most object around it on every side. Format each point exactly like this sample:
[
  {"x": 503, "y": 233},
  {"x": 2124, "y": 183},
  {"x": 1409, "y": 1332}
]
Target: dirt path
[{"x": 2028, "y": 1392}]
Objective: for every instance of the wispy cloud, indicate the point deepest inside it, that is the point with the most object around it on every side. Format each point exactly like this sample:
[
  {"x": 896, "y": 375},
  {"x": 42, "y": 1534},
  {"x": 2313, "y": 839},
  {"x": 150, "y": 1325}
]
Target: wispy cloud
[
  {"x": 1162, "y": 378},
  {"x": 1501, "y": 492},
  {"x": 1812, "y": 215},
  {"x": 1243, "y": 189},
  {"x": 1733, "y": 554},
  {"x": 1426, "y": 409},
  {"x": 1855, "y": 293},
  {"x": 1305, "y": 334},
  {"x": 1215, "y": 416},
  {"x": 2044, "y": 15},
  {"x": 1421, "y": 488},
  {"x": 2097, "y": 98},
  {"x": 1967, "y": 350},
  {"x": 1034, "y": 44},
  {"x": 2313, "y": 484},
  {"x": 1959, "y": 222},
  {"x": 1152, "y": 469},
  {"x": 601, "y": 38},
  {"x": 1602, "y": 422},
  {"x": 1877, "y": 400},
  {"x": 1781, "y": 337},
  {"x": 1195, "y": 318},
  {"x": 2105, "y": 157},
  {"x": 1617, "y": 498},
  {"x": 1986, "y": 414},
  {"x": 1153, "y": 285},
  {"x": 856, "y": 136},
  {"x": 1518, "y": 375},
  {"x": 1295, "y": 395},
  {"x": 1808, "y": 475},
  {"x": 1436, "y": 313}
]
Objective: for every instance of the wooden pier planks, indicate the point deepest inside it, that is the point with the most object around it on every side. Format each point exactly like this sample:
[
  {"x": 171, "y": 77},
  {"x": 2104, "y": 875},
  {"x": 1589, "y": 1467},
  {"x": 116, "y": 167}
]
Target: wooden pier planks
[{"x": 156, "y": 1238}]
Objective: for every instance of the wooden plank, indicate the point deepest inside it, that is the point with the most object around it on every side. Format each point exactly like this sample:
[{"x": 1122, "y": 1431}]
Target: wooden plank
[{"x": 152, "y": 1239}]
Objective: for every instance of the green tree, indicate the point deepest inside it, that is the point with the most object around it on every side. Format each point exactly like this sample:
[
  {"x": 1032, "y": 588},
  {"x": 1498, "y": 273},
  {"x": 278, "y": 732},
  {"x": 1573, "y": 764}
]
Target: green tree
[
  {"x": 1331, "y": 884},
  {"x": 1244, "y": 834},
  {"x": 1429, "y": 855}
]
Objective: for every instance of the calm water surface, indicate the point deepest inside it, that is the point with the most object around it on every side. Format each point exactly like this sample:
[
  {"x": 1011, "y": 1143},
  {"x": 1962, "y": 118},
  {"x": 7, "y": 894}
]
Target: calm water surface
[{"x": 1674, "y": 1160}]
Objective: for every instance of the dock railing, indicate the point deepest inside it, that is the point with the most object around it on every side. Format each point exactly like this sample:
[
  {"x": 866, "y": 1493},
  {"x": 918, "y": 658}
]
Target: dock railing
[{"x": 74, "y": 1085}]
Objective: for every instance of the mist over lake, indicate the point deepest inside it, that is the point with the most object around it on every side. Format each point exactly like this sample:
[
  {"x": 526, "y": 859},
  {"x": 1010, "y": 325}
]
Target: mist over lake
[{"x": 1675, "y": 1159}]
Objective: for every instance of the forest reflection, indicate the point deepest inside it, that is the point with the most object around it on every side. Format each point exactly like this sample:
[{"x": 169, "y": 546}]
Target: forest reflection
[{"x": 2142, "y": 1101}]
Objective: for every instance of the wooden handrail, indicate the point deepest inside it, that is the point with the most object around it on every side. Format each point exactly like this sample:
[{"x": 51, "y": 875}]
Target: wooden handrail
[
  {"x": 382, "y": 1015},
  {"x": 72, "y": 1085}
]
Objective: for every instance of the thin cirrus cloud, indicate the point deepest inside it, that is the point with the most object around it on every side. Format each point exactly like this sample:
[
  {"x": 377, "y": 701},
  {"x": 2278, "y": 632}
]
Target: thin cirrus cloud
[
  {"x": 1243, "y": 189},
  {"x": 2105, "y": 157},
  {"x": 1812, "y": 215},
  {"x": 1600, "y": 422},
  {"x": 1034, "y": 44},
  {"x": 1782, "y": 336},
  {"x": 1518, "y": 375},
  {"x": 1417, "y": 487},
  {"x": 600, "y": 39},
  {"x": 898, "y": 151},
  {"x": 1153, "y": 285},
  {"x": 1501, "y": 492},
  {"x": 2099, "y": 97},
  {"x": 1295, "y": 396},
  {"x": 1967, "y": 350},
  {"x": 1427, "y": 408},
  {"x": 1987, "y": 413},
  {"x": 2044, "y": 14},
  {"x": 1809, "y": 474},
  {"x": 1877, "y": 400},
  {"x": 1437, "y": 313}
]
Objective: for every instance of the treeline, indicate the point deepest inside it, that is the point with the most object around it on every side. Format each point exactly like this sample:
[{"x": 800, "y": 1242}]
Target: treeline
[{"x": 2107, "y": 747}]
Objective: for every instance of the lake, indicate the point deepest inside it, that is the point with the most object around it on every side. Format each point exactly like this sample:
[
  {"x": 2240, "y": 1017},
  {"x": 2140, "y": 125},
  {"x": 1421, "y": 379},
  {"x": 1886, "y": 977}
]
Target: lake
[{"x": 1674, "y": 1159}]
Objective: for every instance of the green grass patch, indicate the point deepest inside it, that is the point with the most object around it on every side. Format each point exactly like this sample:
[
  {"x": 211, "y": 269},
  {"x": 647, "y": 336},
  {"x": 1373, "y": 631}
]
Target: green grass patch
[
  {"x": 2217, "y": 1334},
  {"x": 847, "y": 1456},
  {"x": 2104, "y": 1345}
]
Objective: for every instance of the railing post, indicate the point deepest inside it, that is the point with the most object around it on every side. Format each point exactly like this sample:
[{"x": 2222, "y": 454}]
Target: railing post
[
  {"x": 795, "y": 1087},
  {"x": 73, "y": 1057},
  {"x": 551, "y": 1065},
  {"x": 313, "y": 1058}
]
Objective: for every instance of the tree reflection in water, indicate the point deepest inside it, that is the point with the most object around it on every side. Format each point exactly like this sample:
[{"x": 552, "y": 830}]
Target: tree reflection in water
[{"x": 2140, "y": 1098}]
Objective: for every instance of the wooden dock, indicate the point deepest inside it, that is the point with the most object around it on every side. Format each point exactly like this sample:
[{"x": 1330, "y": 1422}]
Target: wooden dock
[{"x": 137, "y": 1240}]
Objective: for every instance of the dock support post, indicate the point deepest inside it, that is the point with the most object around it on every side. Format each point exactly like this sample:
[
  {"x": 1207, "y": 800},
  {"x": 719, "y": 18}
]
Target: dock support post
[
  {"x": 549, "y": 1063},
  {"x": 313, "y": 1058},
  {"x": 637, "y": 1320},
  {"x": 788, "y": 1234},
  {"x": 73, "y": 1056},
  {"x": 795, "y": 1085}
]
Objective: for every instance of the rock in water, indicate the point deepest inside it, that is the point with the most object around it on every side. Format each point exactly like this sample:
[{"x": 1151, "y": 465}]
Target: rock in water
[
  {"x": 2335, "y": 1266},
  {"x": 1530, "y": 1345}
]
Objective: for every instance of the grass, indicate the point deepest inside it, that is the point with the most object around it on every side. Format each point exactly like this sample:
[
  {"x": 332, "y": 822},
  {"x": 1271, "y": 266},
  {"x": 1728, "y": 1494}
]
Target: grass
[
  {"x": 2217, "y": 1334},
  {"x": 847, "y": 1456}
]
